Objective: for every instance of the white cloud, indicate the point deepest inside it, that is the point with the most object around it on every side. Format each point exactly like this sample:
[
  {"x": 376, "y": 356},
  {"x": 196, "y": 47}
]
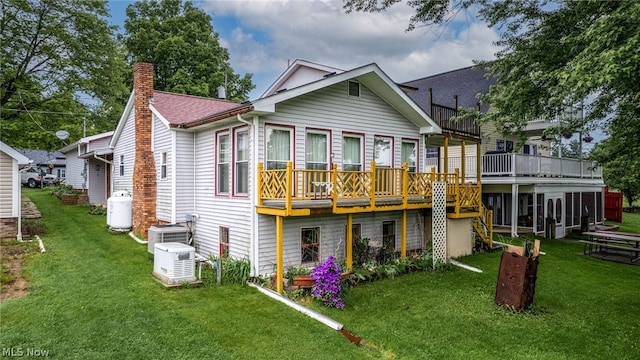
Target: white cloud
[{"x": 270, "y": 33}]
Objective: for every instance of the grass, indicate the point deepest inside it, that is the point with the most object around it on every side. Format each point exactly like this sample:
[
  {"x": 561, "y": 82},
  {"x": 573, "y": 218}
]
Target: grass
[{"x": 92, "y": 296}]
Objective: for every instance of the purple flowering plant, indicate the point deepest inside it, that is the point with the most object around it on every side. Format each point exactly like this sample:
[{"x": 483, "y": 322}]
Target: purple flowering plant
[{"x": 326, "y": 283}]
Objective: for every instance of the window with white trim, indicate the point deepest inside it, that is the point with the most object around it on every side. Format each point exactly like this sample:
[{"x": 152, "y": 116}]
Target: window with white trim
[
  {"x": 163, "y": 165},
  {"x": 121, "y": 165},
  {"x": 241, "y": 156},
  {"x": 279, "y": 147},
  {"x": 352, "y": 153},
  {"x": 223, "y": 162},
  {"x": 389, "y": 234}
]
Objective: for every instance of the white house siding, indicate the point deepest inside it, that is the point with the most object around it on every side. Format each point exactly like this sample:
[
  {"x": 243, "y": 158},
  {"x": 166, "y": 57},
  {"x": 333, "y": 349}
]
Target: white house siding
[
  {"x": 185, "y": 182},
  {"x": 75, "y": 168},
  {"x": 214, "y": 211},
  {"x": 124, "y": 146},
  {"x": 162, "y": 142},
  {"x": 332, "y": 109},
  {"x": 98, "y": 144},
  {"x": 8, "y": 168},
  {"x": 332, "y": 235}
]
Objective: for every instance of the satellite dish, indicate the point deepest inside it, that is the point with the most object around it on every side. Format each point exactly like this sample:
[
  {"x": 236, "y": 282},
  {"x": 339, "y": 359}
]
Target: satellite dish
[{"x": 62, "y": 134}]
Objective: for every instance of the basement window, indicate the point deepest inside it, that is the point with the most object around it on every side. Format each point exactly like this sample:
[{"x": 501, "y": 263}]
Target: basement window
[
  {"x": 224, "y": 241},
  {"x": 354, "y": 88},
  {"x": 310, "y": 244}
]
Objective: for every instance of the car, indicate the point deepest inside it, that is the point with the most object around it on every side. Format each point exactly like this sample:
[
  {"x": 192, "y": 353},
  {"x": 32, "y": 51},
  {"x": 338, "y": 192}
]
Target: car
[
  {"x": 31, "y": 177},
  {"x": 50, "y": 179}
]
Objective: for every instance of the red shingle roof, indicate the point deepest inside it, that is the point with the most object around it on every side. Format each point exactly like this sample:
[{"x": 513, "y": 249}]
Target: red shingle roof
[{"x": 180, "y": 109}]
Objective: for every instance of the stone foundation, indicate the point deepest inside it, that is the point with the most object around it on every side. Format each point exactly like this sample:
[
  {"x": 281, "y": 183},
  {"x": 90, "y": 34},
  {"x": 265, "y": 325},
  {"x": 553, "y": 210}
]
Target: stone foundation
[{"x": 8, "y": 228}]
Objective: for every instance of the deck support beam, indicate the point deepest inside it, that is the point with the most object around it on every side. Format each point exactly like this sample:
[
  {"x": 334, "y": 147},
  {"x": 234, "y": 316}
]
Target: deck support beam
[
  {"x": 279, "y": 257},
  {"x": 403, "y": 235},
  {"x": 349, "y": 244}
]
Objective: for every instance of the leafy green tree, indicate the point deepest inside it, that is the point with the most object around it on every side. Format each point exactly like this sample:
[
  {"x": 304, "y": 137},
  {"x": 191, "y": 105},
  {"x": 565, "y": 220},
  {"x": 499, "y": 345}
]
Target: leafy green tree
[
  {"x": 179, "y": 40},
  {"x": 553, "y": 54},
  {"x": 60, "y": 67},
  {"x": 619, "y": 153}
]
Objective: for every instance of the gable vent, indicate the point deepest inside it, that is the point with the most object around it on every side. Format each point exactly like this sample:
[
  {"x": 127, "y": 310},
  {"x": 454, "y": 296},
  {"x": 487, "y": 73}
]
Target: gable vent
[{"x": 354, "y": 88}]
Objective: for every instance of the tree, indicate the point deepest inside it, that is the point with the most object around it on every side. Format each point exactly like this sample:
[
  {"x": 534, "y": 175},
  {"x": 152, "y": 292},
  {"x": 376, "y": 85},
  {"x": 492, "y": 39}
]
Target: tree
[
  {"x": 620, "y": 152},
  {"x": 54, "y": 54},
  {"x": 554, "y": 54},
  {"x": 179, "y": 40}
]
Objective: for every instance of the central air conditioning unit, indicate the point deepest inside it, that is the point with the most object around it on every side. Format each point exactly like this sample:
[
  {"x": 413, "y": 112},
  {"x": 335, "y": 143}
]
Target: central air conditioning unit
[
  {"x": 174, "y": 263},
  {"x": 167, "y": 233}
]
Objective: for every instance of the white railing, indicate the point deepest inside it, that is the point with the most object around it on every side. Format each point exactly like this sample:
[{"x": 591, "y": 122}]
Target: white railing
[{"x": 522, "y": 165}]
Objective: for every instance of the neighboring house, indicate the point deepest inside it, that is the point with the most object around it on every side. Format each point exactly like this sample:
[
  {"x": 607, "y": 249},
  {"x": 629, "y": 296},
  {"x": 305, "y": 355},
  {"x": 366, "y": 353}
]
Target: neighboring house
[
  {"x": 89, "y": 162},
  {"x": 11, "y": 161},
  {"x": 528, "y": 190},
  {"x": 51, "y": 162},
  {"x": 290, "y": 178}
]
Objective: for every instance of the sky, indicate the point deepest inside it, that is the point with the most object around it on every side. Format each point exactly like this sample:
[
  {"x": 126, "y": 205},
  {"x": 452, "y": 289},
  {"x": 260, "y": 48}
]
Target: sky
[{"x": 264, "y": 36}]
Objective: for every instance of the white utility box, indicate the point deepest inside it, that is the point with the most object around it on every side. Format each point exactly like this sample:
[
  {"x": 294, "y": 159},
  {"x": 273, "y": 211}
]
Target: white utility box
[{"x": 174, "y": 263}]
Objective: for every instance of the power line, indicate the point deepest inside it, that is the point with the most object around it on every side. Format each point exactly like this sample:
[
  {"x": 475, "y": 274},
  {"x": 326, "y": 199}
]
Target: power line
[{"x": 44, "y": 112}]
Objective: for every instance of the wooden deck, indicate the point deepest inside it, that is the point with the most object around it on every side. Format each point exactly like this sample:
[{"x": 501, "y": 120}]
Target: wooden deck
[{"x": 301, "y": 192}]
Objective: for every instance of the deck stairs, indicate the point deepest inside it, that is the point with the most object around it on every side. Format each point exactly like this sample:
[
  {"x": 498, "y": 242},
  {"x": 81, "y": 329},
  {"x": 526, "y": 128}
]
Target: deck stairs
[{"x": 483, "y": 227}]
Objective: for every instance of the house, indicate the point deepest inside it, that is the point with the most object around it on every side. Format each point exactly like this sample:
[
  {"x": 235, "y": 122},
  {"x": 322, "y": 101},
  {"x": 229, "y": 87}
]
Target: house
[
  {"x": 50, "y": 162},
  {"x": 89, "y": 166},
  {"x": 290, "y": 178},
  {"x": 528, "y": 190},
  {"x": 11, "y": 161}
]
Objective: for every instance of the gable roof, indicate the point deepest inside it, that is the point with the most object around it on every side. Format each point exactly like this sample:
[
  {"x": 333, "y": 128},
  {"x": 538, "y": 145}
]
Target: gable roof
[
  {"x": 86, "y": 140},
  {"x": 44, "y": 157},
  {"x": 375, "y": 80},
  {"x": 466, "y": 83},
  {"x": 21, "y": 159},
  {"x": 299, "y": 73},
  {"x": 181, "y": 109}
]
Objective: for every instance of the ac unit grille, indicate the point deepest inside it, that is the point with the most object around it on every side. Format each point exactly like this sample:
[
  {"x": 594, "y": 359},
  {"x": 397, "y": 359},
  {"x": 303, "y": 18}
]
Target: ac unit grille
[{"x": 167, "y": 233}]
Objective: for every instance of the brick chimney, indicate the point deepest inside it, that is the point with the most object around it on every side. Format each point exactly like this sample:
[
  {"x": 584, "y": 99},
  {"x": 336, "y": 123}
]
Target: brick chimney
[{"x": 144, "y": 169}]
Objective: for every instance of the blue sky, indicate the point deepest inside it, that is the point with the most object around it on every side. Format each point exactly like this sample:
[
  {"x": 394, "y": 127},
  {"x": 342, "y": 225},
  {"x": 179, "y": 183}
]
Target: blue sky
[{"x": 264, "y": 36}]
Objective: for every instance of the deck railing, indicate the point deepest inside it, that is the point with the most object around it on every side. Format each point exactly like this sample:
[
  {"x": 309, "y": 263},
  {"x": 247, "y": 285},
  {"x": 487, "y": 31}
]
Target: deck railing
[
  {"x": 289, "y": 185},
  {"x": 525, "y": 165},
  {"x": 442, "y": 116}
]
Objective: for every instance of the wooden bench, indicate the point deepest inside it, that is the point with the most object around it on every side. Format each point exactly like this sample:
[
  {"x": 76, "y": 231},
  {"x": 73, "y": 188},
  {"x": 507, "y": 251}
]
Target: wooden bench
[{"x": 632, "y": 250}]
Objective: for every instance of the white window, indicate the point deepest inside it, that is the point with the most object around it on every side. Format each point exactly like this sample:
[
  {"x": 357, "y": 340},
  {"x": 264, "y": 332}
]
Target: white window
[
  {"x": 383, "y": 151},
  {"x": 163, "y": 165},
  {"x": 279, "y": 147},
  {"x": 223, "y": 161},
  {"x": 504, "y": 145},
  {"x": 121, "y": 165},
  {"x": 241, "y": 148},
  {"x": 352, "y": 153},
  {"x": 409, "y": 154}
]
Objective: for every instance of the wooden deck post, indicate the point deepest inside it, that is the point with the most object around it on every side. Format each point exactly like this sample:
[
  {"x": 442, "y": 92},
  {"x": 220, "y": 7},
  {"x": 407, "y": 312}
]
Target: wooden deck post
[
  {"x": 446, "y": 155},
  {"x": 403, "y": 235},
  {"x": 349, "y": 244},
  {"x": 463, "y": 167},
  {"x": 372, "y": 190},
  {"x": 279, "y": 257},
  {"x": 288, "y": 187},
  {"x": 405, "y": 184},
  {"x": 259, "y": 184},
  {"x": 478, "y": 165}
]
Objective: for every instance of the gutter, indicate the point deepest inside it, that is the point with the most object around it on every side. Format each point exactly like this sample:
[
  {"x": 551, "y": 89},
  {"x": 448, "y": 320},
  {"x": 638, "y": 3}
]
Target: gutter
[{"x": 215, "y": 117}]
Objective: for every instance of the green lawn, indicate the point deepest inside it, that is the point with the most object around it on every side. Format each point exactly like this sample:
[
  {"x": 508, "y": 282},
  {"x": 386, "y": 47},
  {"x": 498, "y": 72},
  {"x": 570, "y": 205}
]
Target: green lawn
[{"x": 92, "y": 296}]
